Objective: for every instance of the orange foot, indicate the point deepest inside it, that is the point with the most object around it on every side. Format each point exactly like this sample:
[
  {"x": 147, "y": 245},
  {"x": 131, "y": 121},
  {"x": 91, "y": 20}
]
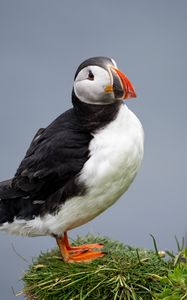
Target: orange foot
[
  {"x": 83, "y": 253},
  {"x": 82, "y": 257},
  {"x": 80, "y": 248}
]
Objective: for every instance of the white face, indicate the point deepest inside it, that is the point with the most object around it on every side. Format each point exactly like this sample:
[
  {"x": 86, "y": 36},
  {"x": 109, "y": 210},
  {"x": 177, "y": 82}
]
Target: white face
[{"x": 91, "y": 83}]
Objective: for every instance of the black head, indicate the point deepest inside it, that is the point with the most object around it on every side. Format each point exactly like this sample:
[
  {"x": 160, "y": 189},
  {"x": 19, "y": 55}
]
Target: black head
[{"x": 98, "y": 81}]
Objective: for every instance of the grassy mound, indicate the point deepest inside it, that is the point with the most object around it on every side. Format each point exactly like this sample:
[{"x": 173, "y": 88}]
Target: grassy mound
[{"x": 124, "y": 273}]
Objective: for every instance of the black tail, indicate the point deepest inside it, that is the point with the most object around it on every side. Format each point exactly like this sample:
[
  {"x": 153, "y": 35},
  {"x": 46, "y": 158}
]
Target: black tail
[{"x": 8, "y": 203}]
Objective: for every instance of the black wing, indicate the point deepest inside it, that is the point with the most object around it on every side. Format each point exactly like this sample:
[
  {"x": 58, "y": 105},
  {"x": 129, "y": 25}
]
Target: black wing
[
  {"x": 56, "y": 155},
  {"x": 47, "y": 175}
]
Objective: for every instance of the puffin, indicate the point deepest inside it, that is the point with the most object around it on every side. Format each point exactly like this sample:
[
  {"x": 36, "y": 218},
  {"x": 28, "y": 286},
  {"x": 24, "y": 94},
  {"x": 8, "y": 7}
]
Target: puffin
[{"x": 79, "y": 165}]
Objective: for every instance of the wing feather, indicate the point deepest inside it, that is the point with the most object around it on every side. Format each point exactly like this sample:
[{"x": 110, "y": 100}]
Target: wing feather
[{"x": 56, "y": 155}]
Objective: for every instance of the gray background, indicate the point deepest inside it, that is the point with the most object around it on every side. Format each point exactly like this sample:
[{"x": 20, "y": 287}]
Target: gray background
[{"x": 41, "y": 45}]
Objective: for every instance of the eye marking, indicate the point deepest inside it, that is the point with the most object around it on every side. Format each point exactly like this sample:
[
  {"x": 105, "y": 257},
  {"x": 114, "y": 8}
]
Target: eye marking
[{"x": 90, "y": 75}]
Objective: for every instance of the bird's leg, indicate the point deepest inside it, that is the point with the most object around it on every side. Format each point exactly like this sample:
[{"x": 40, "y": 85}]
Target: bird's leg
[{"x": 81, "y": 254}]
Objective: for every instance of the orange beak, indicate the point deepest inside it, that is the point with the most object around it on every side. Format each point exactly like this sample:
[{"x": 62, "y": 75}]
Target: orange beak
[{"x": 129, "y": 91}]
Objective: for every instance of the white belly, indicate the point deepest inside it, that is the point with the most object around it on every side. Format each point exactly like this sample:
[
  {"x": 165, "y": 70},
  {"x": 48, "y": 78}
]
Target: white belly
[{"x": 115, "y": 157}]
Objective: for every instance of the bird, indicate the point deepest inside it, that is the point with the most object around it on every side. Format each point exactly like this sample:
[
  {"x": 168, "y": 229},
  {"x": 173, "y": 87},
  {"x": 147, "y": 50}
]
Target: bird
[{"x": 79, "y": 165}]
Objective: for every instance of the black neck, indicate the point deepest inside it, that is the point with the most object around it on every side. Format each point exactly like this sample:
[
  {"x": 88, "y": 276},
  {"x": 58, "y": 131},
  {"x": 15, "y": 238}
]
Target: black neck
[{"x": 92, "y": 116}]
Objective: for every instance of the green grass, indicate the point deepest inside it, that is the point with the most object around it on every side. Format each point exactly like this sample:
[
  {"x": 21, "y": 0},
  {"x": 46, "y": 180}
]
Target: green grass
[{"x": 124, "y": 273}]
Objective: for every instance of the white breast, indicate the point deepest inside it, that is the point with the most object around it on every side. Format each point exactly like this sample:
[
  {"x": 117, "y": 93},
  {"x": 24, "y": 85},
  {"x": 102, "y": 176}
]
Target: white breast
[
  {"x": 116, "y": 152},
  {"x": 115, "y": 155}
]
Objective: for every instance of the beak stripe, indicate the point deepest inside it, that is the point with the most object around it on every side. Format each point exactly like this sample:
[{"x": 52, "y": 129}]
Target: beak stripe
[{"x": 128, "y": 90}]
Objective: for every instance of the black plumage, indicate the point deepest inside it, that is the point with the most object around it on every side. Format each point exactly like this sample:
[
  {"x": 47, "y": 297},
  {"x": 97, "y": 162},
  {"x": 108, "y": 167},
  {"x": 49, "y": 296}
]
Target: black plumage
[{"x": 48, "y": 175}]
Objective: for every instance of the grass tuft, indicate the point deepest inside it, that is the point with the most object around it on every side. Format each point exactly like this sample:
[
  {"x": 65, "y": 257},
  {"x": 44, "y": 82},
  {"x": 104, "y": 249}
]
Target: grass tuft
[{"x": 124, "y": 273}]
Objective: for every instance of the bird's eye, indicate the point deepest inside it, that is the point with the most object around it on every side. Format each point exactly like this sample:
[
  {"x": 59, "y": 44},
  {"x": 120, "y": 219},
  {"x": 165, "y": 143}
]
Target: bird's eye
[{"x": 90, "y": 75}]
